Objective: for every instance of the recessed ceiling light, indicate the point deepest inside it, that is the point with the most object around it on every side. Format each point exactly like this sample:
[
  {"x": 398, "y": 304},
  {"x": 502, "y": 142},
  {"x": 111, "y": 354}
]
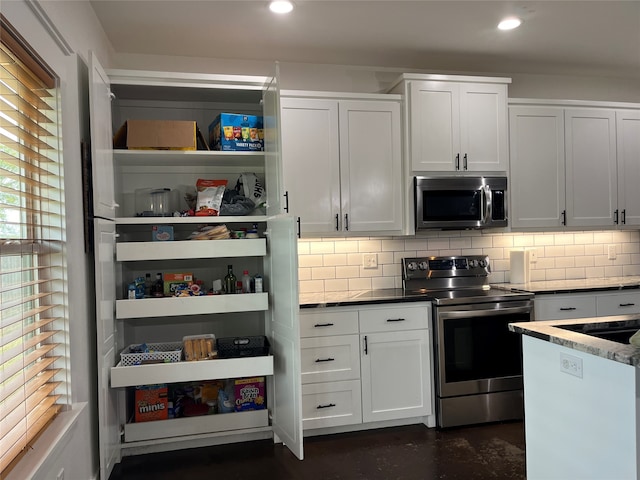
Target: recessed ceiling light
[
  {"x": 510, "y": 23},
  {"x": 281, "y": 6}
]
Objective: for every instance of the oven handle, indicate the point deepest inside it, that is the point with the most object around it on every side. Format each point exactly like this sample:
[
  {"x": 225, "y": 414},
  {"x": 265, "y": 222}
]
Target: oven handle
[{"x": 482, "y": 313}]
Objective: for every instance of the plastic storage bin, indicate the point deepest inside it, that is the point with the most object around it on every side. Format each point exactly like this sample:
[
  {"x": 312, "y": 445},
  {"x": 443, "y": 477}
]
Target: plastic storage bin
[
  {"x": 161, "y": 352},
  {"x": 234, "y": 347}
]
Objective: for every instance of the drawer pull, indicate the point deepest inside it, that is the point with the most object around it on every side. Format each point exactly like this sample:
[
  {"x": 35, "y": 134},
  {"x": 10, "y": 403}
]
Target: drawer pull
[
  {"x": 567, "y": 309},
  {"x": 627, "y": 304},
  {"x": 395, "y": 319},
  {"x": 318, "y": 360},
  {"x": 318, "y": 325},
  {"x": 329, "y": 405}
]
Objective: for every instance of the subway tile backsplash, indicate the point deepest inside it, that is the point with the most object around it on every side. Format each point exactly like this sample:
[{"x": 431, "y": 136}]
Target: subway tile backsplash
[{"x": 336, "y": 264}]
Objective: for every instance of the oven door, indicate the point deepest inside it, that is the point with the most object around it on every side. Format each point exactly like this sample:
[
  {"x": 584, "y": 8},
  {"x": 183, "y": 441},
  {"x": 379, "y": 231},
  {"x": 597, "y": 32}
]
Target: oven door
[{"x": 476, "y": 352}]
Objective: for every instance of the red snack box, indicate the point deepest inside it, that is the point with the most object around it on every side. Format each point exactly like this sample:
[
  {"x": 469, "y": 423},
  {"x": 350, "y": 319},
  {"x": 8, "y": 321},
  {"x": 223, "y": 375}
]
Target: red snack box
[{"x": 151, "y": 403}]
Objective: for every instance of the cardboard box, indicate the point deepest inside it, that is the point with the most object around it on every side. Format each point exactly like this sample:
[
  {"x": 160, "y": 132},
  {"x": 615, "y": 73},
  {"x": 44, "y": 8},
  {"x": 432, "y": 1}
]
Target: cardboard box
[
  {"x": 249, "y": 394},
  {"x": 162, "y": 233},
  {"x": 156, "y": 135},
  {"x": 151, "y": 403},
  {"x": 236, "y": 132},
  {"x": 172, "y": 281}
]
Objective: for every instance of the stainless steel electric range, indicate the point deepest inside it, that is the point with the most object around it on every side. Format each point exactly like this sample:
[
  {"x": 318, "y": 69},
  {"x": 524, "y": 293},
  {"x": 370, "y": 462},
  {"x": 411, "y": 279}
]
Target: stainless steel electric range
[{"x": 478, "y": 361}]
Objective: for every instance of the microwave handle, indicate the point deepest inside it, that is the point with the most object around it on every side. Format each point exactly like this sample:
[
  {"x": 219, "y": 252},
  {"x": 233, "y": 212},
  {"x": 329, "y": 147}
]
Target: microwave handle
[{"x": 488, "y": 207}]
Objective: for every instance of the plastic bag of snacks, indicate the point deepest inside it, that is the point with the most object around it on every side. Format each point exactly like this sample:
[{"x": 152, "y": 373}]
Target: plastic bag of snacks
[{"x": 210, "y": 194}]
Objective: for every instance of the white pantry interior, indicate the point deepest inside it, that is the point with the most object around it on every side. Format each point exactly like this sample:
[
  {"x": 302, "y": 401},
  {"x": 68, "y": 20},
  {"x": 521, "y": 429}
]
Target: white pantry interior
[{"x": 124, "y": 250}]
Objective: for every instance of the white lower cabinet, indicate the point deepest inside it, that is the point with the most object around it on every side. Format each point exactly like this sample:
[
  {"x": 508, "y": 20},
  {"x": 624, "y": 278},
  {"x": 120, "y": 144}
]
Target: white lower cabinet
[
  {"x": 584, "y": 305},
  {"x": 365, "y": 364}
]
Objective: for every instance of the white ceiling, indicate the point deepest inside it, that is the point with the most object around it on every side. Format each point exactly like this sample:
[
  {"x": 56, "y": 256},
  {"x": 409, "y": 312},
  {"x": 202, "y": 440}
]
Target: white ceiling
[{"x": 573, "y": 37}]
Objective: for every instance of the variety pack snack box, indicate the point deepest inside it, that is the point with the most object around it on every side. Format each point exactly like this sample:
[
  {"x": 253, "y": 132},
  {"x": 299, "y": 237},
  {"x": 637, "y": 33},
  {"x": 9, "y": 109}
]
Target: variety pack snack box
[
  {"x": 173, "y": 281},
  {"x": 237, "y": 132}
]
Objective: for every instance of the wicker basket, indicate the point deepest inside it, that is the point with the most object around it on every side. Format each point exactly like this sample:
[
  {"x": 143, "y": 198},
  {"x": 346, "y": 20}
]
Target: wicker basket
[{"x": 160, "y": 352}]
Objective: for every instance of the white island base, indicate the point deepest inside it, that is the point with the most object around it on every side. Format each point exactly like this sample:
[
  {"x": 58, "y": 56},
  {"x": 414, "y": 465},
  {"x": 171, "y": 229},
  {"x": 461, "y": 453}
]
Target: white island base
[{"x": 579, "y": 428}]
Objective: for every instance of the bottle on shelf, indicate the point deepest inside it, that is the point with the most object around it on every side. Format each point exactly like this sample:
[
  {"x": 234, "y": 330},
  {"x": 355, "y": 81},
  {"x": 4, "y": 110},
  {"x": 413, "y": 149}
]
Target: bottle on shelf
[
  {"x": 246, "y": 282},
  {"x": 147, "y": 285},
  {"x": 157, "y": 290},
  {"x": 230, "y": 281},
  {"x": 257, "y": 282}
]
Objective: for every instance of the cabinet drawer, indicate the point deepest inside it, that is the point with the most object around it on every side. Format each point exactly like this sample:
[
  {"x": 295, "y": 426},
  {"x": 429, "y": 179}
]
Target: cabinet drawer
[
  {"x": 328, "y": 359},
  {"x": 331, "y": 404},
  {"x": 618, "y": 304},
  {"x": 393, "y": 319},
  {"x": 324, "y": 323},
  {"x": 565, "y": 307}
]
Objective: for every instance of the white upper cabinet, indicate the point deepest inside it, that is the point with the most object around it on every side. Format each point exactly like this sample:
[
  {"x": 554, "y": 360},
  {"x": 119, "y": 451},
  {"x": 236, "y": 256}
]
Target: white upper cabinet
[
  {"x": 537, "y": 181},
  {"x": 628, "y": 150},
  {"x": 574, "y": 165},
  {"x": 456, "y": 124},
  {"x": 590, "y": 142},
  {"x": 342, "y": 162}
]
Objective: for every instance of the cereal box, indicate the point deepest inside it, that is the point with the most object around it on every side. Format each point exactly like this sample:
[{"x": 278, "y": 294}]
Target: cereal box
[
  {"x": 237, "y": 132},
  {"x": 249, "y": 394},
  {"x": 151, "y": 403},
  {"x": 173, "y": 281}
]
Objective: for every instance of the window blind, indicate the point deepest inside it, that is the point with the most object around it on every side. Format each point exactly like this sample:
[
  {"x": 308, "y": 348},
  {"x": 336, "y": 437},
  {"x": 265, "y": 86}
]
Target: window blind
[{"x": 33, "y": 320}]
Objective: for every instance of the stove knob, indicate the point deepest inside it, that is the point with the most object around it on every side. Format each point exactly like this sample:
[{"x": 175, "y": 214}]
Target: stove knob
[
  {"x": 473, "y": 263},
  {"x": 484, "y": 263},
  {"x": 424, "y": 266},
  {"x": 412, "y": 266}
]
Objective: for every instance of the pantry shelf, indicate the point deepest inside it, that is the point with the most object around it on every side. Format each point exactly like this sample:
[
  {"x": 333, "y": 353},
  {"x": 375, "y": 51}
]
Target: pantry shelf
[
  {"x": 188, "y": 158},
  {"x": 187, "y": 220},
  {"x": 182, "y": 306},
  {"x": 134, "y": 251},
  {"x": 227, "y": 422},
  {"x": 131, "y": 376}
]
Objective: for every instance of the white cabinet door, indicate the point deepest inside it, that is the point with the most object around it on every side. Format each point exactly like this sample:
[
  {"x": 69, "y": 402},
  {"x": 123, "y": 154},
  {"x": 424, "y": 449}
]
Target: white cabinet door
[
  {"x": 371, "y": 166},
  {"x": 435, "y": 119},
  {"x": 628, "y": 143},
  {"x": 105, "y": 278},
  {"x": 311, "y": 164},
  {"x": 104, "y": 203},
  {"x": 282, "y": 270},
  {"x": 395, "y": 374},
  {"x": 590, "y": 141},
  {"x": 559, "y": 307},
  {"x": 458, "y": 126},
  {"x": 483, "y": 127},
  {"x": 272, "y": 146},
  {"x": 537, "y": 179}
]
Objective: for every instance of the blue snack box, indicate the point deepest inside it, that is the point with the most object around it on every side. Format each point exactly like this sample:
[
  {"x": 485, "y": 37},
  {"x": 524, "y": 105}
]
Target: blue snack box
[
  {"x": 162, "y": 233},
  {"x": 236, "y": 132}
]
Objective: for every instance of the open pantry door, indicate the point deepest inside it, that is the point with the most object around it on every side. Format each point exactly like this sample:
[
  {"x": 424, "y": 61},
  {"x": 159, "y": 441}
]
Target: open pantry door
[
  {"x": 276, "y": 202},
  {"x": 108, "y": 424},
  {"x": 104, "y": 204},
  {"x": 284, "y": 328}
]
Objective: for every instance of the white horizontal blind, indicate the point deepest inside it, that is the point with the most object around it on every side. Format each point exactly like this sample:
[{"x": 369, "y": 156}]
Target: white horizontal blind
[{"x": 33, "y": 322}]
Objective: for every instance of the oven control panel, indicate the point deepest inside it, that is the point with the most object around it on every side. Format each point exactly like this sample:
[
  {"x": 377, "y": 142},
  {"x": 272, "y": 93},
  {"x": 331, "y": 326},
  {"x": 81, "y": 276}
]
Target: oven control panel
[{"x": 443, "y": 267}]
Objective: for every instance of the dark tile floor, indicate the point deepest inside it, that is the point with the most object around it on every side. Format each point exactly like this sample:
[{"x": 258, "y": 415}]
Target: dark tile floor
[{"x": 413, "y": 452}]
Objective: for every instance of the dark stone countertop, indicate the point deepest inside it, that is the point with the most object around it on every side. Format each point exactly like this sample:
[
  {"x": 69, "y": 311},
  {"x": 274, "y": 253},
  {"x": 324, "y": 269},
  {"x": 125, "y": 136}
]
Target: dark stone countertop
[
  {"x": 357, "y": 297},
  {"x": 552, "y": 331},
  {"x": 575, "y": 286}
]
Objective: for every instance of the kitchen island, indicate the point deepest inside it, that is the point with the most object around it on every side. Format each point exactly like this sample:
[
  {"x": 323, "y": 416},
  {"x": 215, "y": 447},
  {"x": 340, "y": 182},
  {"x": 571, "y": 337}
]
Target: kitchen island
[{"x": 582, "y": 400}]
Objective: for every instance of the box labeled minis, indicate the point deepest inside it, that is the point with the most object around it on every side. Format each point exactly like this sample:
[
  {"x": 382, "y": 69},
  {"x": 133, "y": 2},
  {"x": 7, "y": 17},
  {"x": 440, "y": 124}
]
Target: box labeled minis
[
  {"x": 162, "y": 233},
  {"x": 237, "y": 132},
  {"x": 151, "y": 403},
  {"x": 249, "y": 394},
  {"x": 175, "y": 281},
  {"x": 156, "y": 135}
]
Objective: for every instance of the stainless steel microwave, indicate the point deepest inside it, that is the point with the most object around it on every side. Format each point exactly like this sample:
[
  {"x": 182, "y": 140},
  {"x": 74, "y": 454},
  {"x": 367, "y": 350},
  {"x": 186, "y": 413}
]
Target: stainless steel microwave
[{"x": 460, "y": 203}]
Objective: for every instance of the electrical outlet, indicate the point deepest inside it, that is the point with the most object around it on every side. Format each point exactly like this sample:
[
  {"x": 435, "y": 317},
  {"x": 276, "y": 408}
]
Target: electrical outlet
[
  {"x": 571, "y": 365},
  {"x": 533, "y": 255},
  {"x": 370, "y": 260},
  {"x": 611, "y": 252}
]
